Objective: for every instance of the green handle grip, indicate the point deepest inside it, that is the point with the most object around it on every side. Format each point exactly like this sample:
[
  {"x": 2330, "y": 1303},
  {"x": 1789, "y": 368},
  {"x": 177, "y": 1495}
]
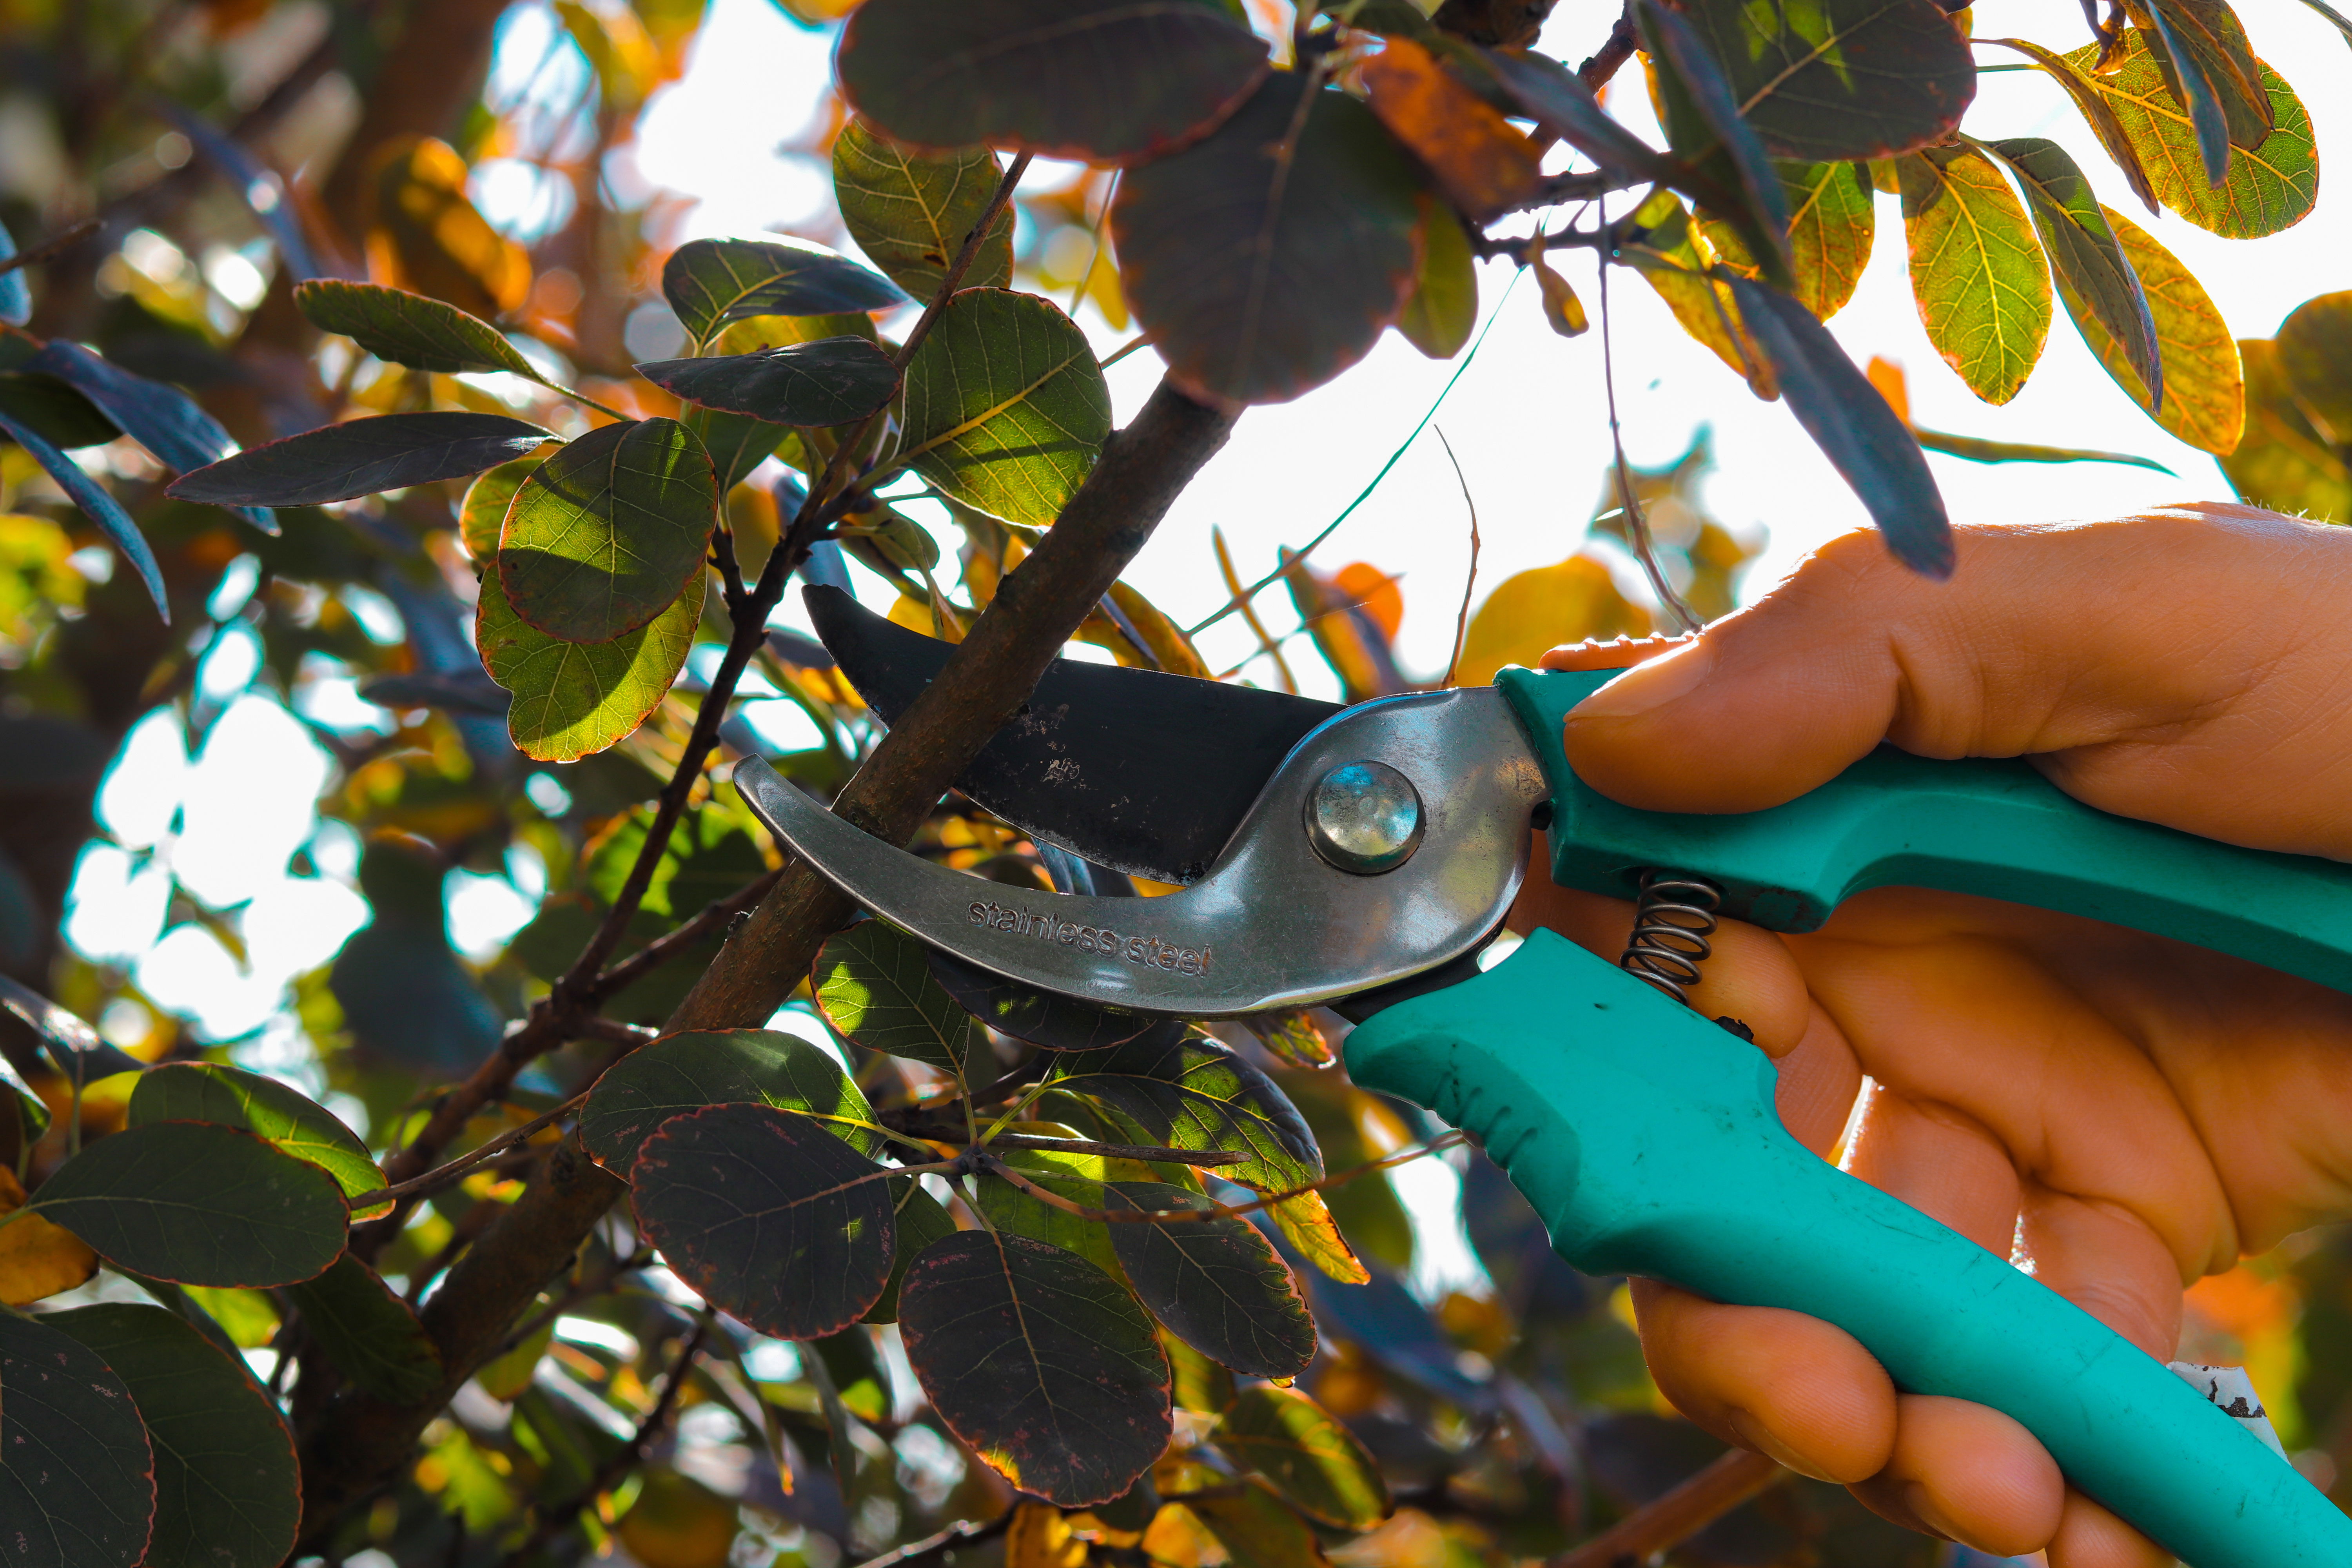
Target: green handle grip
[
  {"x": 1646, "y": 1138},
  {"x": 1995, "y": 827}
]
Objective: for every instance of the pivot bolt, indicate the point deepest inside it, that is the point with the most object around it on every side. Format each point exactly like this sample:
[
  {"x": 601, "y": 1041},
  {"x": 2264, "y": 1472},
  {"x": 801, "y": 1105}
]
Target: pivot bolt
[{"x": 1364, "y": 817}]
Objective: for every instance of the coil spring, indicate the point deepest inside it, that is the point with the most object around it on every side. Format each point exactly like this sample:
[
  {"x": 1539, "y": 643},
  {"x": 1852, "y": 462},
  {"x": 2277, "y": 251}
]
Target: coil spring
[{"x": 1672, "y": 919}]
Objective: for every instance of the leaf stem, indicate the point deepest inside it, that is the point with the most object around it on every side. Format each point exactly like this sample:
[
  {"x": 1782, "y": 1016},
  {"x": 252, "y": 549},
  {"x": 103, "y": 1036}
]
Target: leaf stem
[
  {"x": 456, "y": 1169},
  {"x": 1637, "y": 525},
  {"x": 587, "y": 401},
  {"x": 1469, "y": 584}
]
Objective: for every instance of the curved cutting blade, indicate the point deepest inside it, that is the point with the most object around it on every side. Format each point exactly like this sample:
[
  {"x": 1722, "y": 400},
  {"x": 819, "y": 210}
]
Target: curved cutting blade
[{"x": 1145, "y": 773}]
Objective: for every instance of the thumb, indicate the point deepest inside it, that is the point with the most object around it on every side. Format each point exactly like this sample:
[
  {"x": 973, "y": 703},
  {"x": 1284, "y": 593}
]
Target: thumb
[{"x": 2138, "y": 660}]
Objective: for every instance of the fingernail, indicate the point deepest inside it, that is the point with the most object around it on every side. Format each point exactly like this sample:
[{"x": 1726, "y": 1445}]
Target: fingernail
[
  {"x": 1650, "y": 685},
  {"x": 1756, "y": 1435}
]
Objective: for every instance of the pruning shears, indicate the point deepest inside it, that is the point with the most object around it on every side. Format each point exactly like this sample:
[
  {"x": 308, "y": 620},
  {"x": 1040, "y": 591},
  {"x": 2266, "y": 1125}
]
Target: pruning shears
[{"x": 1364, "y": 857}]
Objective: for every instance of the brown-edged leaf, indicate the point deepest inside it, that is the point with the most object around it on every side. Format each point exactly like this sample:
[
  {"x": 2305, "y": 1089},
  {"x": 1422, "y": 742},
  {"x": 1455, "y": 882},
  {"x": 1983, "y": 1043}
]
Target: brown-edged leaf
[
  {"x": 1308, "y": 1455},
  {"x": 603, "y": 535},
  {"x": 359, "y": 458},
  {"x": 1829, "y": 79},
  {"x": 679, "y": 1074},
  {"x": 1216, "y": 1282},
  {"x": 78, "y": 1489}
]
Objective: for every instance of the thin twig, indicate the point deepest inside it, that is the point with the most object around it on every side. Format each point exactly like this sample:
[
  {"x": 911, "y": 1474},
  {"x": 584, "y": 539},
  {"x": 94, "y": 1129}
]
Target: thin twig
[
  {"x": 51, "y": 248},
  {"x": 664, "y": 948},
  {"x": 1205, "y": 1158},
  {"x": 1266, "y": 645},
  {"x": 946, "y": 1541},
  {"x": 1637, "y": 525},
  {"x": 1469, "y": 584},
  {"x": 456, "y": 1169},
  {"x": 1665, "y": 1523}
]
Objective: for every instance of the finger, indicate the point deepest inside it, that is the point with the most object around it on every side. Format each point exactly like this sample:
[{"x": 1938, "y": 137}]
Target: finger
[
  {"x": 2107, "y": 1261},
  {"x": 1969, "y": 1474},
  {"x": 1819, "y": 1082},
  {"x": 1943, "y": 1162},
  {"x": 1780, "y": 1382},
  {"x": 2075, "y": 641},
  {"x": 2090, "y": 1537},
  {"x": 1617, "y": 653}
]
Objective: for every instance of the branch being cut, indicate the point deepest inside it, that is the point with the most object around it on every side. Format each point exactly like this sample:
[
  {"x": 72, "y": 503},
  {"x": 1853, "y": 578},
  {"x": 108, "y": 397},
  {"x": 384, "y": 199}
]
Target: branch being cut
[{"x": 1667, "y": 1521}]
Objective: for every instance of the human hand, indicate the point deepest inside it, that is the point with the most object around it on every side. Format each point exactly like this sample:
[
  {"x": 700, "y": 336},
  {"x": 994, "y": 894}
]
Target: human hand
[{"x": 2126, "y": 1112}]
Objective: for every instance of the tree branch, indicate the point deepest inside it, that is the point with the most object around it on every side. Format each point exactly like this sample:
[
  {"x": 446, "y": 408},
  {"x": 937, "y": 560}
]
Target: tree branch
[
  {"x": 1614, "y": 51},
  {"x": 1667, "y": 1521}
]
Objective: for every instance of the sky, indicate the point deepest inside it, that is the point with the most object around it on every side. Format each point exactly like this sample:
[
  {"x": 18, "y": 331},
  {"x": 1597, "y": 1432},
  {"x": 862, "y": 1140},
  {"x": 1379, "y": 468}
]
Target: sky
[{"x": 1528, "y": 421}]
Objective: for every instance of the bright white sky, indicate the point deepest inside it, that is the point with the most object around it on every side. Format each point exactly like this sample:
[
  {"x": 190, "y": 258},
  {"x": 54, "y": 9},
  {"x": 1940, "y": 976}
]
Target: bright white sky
[{"x": 1528, "y": 422}]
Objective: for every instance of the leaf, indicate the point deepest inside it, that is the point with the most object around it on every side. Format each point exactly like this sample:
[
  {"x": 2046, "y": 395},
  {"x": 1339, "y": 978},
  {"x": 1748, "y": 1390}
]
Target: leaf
[
  {"x": 1045, "y": 1365},
  {"x": 2314, "y": 350},
  {"x": 1077, "y": 1178},
  {"x": 504, "y": 1376},
  {"x": 198, "y": 1204},
  {"x": 78, "y": 1487},
  {"x": 2096, "y": 111},
  {"x": 830, "y": 382},
  {"x": 79, "y": 1051},
  {"x": 1042, "y": 1018},
  {"x": 163, "y": 419},
  {"x": 1730, "y": 173},
  {"x": 767, "y": 1216},
  {"x": 228, "y": 1492},
  {"x": 912, "y": 212},
  {"x": 682, "y": 1073},
  {"x": 54, "y": 411},
  {"x": 1977, "y": 271},
  {"x": 1486, "y": 167},
  {"x": 1675, "y": 257},
  {"x": 606, "y": 533},
  {"x": 1978, "y": 451},
  {"x": 2342, "y": 24},
  {"x": 1869, "y": 446},
  {"x": 572, "y": 699},
  {"x": 1258, "y": 275},
  {"x": 2204, "y": 393},
  {"x": 1255, "y": 1530},
  {"x": 15, "y": 294},
  {"x": 1556, "y": 99},
  {"x": 1196, "y": 1094},
  {"x": 1005, "y": 407},
  {"x": 369, "y": 1333},
  {"x": 2094, "y": 279},
  {"x": 359, "y": 458},
  {"x": 2212, "y": 68},
  {"x": 1829, "y": 80},
  {"x": 1444, "y": 306},
  {"x": 1041, "y": 1537},
  {"x": 1542, "y": 608},
  {"x": 483, "y": 513},
  {"x": 922, "y": 1220},
  {"x": 97, "y": 505},
  {"x": 38, "y": 1260},
  {"x": 1563, "y": 311},
  {"x": 1309, "y": 1456},
  {"x": 1832, "y": 224},
  {"x": 1132, "y": 78},
  {"x": 414, "y": 330},
  {"x": 1216, "y": 1282},
  {"x": 428, "y": 236},
  {"x": 710, "y": 282},
  {"x": 283, "y": 1116},
  {"x": 2268, "y": 190},
  {"x": 2282, "y": 462},
  {"x": 737, "y": 444},
  {"x": 874, "y": 986}
]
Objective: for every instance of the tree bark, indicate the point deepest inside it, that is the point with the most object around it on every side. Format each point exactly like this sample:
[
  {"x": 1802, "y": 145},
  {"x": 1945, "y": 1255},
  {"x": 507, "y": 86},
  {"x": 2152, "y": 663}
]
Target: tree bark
[{"x": 1143, "y": 469}]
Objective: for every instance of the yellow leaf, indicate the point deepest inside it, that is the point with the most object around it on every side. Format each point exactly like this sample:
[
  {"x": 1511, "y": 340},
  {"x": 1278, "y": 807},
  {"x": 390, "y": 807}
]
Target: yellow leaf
[
  {"x": 1488, "y": 167},
  {"x": 1561, "y": 308},
  {"x": 38, "y": 1260},
  {"x": 427, "y": 237},
  {"x": 1041, "y": 1538},
  {"x": 1306, "y": 1220},
  {"x": 1887, "y": 377},
  {"x": 1674, "y": 257},
  {"x": 2204, "y": 386},
  {"x": 1541, "y": 609},
  {"x": 1177, "y": 1539}
]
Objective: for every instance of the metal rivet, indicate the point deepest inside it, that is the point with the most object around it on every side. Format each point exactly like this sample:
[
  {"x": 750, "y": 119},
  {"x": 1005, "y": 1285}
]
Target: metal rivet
[{"x": 1364, "y": 817}]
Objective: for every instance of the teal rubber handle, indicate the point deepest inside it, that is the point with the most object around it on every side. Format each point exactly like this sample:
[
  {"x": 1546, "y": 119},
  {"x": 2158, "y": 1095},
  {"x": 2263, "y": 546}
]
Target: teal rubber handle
[
  {"x": 1995, "y": 827},
  {"x": 1646, "y": 1138}
]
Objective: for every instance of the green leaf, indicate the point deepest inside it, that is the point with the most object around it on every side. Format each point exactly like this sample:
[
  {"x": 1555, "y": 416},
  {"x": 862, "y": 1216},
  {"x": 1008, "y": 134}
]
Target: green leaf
[
  {"x": 228, "y": 1493},
  {"x": 710, "y": 855},
  {"x": 737, "y": 443},
  {"x": 1045, "y": 1365},
  {"x": 79, "y": 1051},
  {"x": 1132, "y": 78},
  {"x": 1977, "y": 271},
  {"x": 1833, "y": 223},
  {"x": 1444, "y": 306},
  {"x": 874, "y": 988},
  {"x": 207, "y": 1092},
  {"x": 78, "y": 1487},
  {"x": 1256, "y": 1532},
  {"x": 922, "y": 1220},
  {"x": 99, "y": 506},
  {"x": 360, "y": 458},
  {"x": 2269, "y": 189},
  {"x": 409, "y": 329},
  {"x": 2202, "y": 48},
  {"x": 682, "y": 1073},
  {"x": 768, "y": 1216},
  {"x": 710, "y": 282},
  {"x": 2093, "y": 278},
  {"x": 1730, "y": 173},
  {"x": 1077, "y": 1178},
  {"x": 1005, "y": 407},
  {"x": 1871, "y": 448},
  {"x": 1307, "y": 1454},
  {"x": 52, "y": 410},
  {"x": 198, "y": 1204},
  {"x": 369, "y": 1333},
  {"x": 1978, "y": 451},
  {"x": 1216, "y": 1282},
  {"x": 1040, "y": 1017},
  {"x": 483, "y": 513},
  {"x": 603, "y": 535},
  {"x": 2204, "y": 393},
  {"x": 1675, "y": 260},
  {"x": 1829, "y": 80},
  {"x": 571, "y": 699},
  {"x": 1196, "y": 1094},
  {"x": 2314, "y": 350},
  {"x": 1260, "y": 275},
  {"x": 830, "y": 382},
  {"x": 2096, "y": 111},
  {"x": 2282, "y": 462},
  {"x": 912, "y": 211}
]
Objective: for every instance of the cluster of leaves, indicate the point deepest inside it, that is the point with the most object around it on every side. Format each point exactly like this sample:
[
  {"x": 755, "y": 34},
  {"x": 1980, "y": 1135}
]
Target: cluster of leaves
[{"x": 2296, "y": 456}]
